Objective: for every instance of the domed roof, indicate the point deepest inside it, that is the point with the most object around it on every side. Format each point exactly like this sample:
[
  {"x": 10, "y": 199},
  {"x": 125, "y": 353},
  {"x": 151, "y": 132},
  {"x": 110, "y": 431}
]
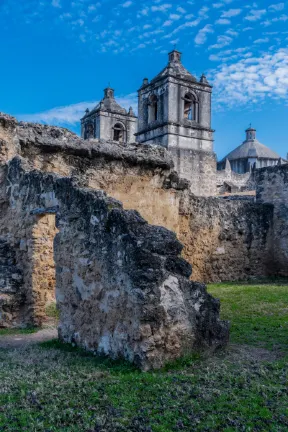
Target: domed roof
[{"x": 251, "y": 148}]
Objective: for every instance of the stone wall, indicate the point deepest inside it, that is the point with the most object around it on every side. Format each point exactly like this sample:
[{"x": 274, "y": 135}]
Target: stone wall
[
  {"x": 225, "y": 240},
  {"x": 272, "y": 188},
  {"x": 12, "y": 295},
  {"x": 222, "y": 240},
  {"x": 230, "y": 181},
  {"x": 197, "y": 166},
  {"x": 121, "y": 286}
]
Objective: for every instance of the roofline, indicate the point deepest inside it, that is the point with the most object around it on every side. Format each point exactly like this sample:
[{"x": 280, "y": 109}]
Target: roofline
[{"x": 156, "y": 80}]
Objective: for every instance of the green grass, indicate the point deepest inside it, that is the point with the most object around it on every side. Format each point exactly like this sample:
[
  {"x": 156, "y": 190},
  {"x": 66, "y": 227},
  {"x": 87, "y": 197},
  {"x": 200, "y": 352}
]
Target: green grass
[
  {"x": 258, "y": 313},
  {"x": 57, "y": 388},
  {"x": 52, "y": 311},
  {"x": 15, "y": 331}
]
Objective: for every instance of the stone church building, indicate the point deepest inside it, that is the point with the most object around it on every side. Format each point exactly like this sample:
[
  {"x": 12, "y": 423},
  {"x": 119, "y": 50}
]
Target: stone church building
[{"x": 174, "y": 111}]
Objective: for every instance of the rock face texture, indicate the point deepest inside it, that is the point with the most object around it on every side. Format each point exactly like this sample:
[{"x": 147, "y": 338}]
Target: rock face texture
[
  {"x": 223, "y": 240},
  {"x": 272, "y": 188},
  {"x": 12, "y": 295},
  {"x": 121, "y": 285}
]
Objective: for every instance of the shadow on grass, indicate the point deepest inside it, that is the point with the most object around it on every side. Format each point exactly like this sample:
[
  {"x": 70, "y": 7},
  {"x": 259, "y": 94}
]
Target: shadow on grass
[
  {"x": 101, "y": 361},
  {"x": 119, "y": 365}
]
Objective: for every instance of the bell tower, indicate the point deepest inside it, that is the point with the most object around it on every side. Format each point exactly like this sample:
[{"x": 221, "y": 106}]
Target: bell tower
[{"x": 174, "y": 111}]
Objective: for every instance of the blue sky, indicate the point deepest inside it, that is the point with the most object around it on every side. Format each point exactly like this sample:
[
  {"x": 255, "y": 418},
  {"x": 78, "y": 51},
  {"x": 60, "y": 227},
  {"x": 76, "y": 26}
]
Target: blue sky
[{"x": 58, "y": 55}]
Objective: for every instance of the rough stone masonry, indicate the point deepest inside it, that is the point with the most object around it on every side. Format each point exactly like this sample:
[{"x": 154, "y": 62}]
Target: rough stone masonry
[
  {"x": 60, "y": 184},
  {"x": 223, "y": 240},
  {"x": 121, "y": 285}
]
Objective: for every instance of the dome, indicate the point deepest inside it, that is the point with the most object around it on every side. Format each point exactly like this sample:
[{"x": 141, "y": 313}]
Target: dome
[{"x": 251, "y": 148}]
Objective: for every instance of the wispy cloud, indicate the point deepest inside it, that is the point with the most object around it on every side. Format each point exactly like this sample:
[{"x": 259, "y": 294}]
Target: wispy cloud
[
  {"x": 201, "y": 36},
  {"x": 252, "y": 80},
  {"x": 256, "y": 14},
  {"x": 71, "y": 114}
]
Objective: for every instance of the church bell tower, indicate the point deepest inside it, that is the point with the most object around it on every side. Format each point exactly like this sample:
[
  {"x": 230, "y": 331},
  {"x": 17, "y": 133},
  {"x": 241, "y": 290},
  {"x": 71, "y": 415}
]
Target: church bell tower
[{"x": 174, "y": 111}]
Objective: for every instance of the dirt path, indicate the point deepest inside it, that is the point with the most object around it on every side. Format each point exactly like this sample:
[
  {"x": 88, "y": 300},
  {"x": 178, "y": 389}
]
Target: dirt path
[{"x": 21, "y": 340}]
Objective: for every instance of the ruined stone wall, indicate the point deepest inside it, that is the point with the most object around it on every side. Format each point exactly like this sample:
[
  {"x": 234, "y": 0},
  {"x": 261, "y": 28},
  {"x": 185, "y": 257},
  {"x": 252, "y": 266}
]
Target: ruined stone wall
[
  {"x": 223, "y": 240},
  {"x": 237, "y": 182},
  {"x": 272, "y": 188},
  {"x": 121, "y": 286},
  {"x": 11, "y": 287}
]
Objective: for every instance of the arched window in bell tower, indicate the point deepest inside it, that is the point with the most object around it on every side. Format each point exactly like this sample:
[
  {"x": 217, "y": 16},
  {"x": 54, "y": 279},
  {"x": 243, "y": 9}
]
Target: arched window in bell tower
[
  {"x": 119, "y": 133},
  {"x": 190, "y": 107},
  {"x": 153, "y": 109}
]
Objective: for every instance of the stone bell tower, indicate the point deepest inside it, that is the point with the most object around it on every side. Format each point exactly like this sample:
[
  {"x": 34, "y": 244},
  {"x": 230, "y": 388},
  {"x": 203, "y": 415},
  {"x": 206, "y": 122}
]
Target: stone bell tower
[
  {"x": 109, "y": 121},
  {"x": 174, "y": 111}
]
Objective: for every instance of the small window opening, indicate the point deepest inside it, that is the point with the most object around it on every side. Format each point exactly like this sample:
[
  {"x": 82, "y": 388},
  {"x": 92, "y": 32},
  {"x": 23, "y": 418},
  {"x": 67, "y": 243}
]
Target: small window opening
[
  {"x": 89, "y": 131},
  {"x": 190, "y": 107},
  {"x": 118, "y": 132},
  {"x": 153, "y": 109}
]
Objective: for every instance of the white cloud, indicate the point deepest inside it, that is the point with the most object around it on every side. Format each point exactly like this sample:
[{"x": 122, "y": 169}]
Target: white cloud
[
  {"x": 181, "y": 10},
  {"x": 260, "y": 41},
  {"x": 256, "y": 14},
  {"x": 201, "y": 36},
  {"x": 231, "y": 13},
  {"x": 175, "y": 17},
  {"x": 71, "y": 114},
  {"x": 127, "y": 4},
  {"x": 222, "y": 41},
  {"x": 252, "y": 80},
  {"x": 277, "y": 7},
  {"x": 161, "y": 8},
  {"x": 223, "y": 21}
]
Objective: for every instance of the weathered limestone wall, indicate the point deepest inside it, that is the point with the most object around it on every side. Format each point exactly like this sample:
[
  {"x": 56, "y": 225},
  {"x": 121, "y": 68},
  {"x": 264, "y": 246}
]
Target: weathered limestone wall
[
  {"x": 272, "y": 188},
  {"x": 11, "y": 287},
  {"x": 121, "y": 286},
  {"x": 237, "y": 182},
  {"x": 223, "y": 240},
  {"x": 197, "y": 166}
]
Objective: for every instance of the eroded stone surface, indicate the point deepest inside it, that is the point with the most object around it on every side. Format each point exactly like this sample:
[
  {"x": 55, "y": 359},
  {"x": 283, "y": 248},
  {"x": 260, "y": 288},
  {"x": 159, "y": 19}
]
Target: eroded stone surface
[
  {"x": 222, "y": 240},
  {"x": 121, "y": 286}
]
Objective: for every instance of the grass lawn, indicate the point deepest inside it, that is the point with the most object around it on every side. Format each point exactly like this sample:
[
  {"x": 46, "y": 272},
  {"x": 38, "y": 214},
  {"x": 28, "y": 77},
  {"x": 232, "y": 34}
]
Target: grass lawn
[
  {"x": 54, "y": 387},
  {"x": 10, "y": 332}
]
